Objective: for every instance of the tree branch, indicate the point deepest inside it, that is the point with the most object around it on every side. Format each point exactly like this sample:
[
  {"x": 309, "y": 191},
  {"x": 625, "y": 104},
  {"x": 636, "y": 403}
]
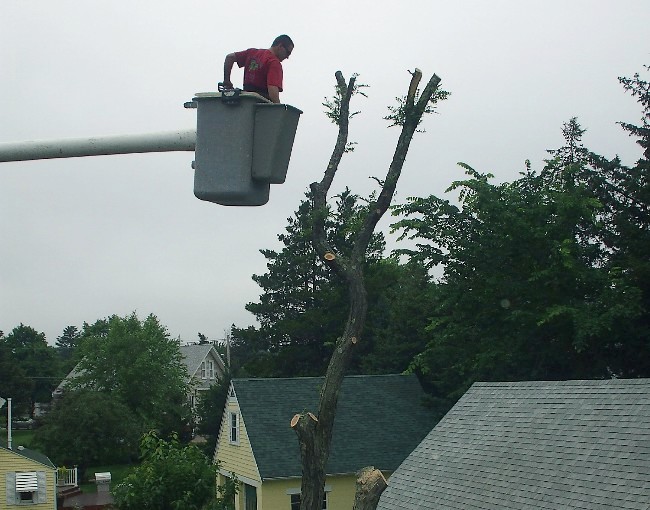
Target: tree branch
[
  {"x": 413, "y": 115},
  {"x": 315, "y": 432},
  {"x": 321, "y": 189}
]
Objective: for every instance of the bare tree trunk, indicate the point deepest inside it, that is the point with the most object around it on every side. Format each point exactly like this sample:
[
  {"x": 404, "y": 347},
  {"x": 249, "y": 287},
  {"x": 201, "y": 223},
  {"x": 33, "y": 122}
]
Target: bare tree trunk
[
  {"x": 370, "y": 484},
  {"x": 315, "y": 431}
]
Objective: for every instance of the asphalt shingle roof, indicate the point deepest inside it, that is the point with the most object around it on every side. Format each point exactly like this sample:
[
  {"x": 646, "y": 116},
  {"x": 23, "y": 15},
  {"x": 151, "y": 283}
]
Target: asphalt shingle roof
[
  {"x": 31, "y": 454},
  {"x": 193, "y": 355},
  {"x": 542, "y": 445},
  {"x": 380, "y": 419}
]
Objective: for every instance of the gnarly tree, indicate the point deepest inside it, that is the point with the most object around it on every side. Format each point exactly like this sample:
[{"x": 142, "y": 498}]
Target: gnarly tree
[{"x": 314, "y": 431}]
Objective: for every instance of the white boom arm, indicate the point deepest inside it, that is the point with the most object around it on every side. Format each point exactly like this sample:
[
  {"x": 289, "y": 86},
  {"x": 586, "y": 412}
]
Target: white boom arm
[{"x": 97, "y": 146}]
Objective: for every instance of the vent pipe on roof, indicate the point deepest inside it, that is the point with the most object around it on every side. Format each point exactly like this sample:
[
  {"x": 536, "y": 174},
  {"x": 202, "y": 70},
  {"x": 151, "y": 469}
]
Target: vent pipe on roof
[{"x": 9, "y": 423}]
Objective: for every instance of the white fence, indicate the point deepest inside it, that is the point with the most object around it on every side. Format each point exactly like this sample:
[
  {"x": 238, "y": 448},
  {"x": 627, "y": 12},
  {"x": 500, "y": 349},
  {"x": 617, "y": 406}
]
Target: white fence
[{"x": 66, "y": 477}]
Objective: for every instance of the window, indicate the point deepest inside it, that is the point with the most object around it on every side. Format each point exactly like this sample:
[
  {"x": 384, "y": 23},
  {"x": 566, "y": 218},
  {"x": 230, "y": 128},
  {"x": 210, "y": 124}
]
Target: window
[
  {"x": 250, "y": 497},
  {"x": 295, "y": 501},
  {"x": 203, "y": 370},
  {"x": 211, "y": 369},
  {"x": 234, "y": 428},
  {"x": 30, "y": 487}
]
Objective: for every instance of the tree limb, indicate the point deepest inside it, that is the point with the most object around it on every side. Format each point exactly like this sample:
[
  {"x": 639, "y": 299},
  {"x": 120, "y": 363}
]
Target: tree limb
[{"x": 315, "y": 432}]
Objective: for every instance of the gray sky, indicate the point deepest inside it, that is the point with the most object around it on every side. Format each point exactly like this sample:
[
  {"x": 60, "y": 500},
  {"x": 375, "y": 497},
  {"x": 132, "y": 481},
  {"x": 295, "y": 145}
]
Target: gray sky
[{"x": 84, "y": 238}]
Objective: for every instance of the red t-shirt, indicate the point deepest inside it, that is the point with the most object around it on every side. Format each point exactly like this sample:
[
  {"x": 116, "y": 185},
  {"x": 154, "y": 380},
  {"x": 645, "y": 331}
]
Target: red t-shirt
[{"x": 261, "y": 69}]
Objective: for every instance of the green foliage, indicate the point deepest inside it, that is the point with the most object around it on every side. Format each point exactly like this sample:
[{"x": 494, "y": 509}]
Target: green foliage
[
  {"x": 640, "y": 89},
  {"x": 398, "y": 114},
  {"x": 400, "y": 306},
  {"x": 172, "y": 477},
  {"x": 138, "y": 363},
  {"x": 544, "y": 278},
  {"x": 28, "y": 369},
  {"x": 210, "y": 409},
  {"x": 86, "y": 477},
  {"x": 88, "y": 428},
  {"x": 66, "y": 347},
  {"x": 303, "y": 305},
  {"x": 333, "y": 105},
  {"x": 18, "y": 437}
]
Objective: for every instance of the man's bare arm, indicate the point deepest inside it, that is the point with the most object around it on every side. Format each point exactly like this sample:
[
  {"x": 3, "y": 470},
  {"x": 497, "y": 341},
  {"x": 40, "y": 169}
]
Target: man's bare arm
[
  {"x": 274, "y": 94},
  {"x": 227, "y": 68}
]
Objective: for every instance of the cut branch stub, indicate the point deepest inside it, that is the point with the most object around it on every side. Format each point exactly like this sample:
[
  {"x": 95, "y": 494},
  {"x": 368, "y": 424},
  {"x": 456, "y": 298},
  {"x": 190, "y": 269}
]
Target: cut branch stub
[
  {"x": 296, "y": 419},
  {"x": 369, "y": 487},
  {"x": 329, "y": 256},
  {"x": 413, "y": 87}
]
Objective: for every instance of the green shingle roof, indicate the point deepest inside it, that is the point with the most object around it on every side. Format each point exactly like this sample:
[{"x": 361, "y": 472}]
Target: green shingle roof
[
  {"x": 380, "y": 419},
  {"x": 533, "y": 445},
  {"x": 31, "y": 454}
]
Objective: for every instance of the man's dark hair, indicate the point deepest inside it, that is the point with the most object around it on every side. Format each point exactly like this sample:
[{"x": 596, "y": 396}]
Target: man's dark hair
[{"x": 283, "y": 40}]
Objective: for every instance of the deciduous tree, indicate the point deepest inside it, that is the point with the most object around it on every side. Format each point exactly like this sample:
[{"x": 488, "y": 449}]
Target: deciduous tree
[
  {"x": 140, "y": 364},
  {"x": 88, "y": 428},
  {"x": 210, "y": 410},
  {"x": 314, "y": 430},
  {"x": 173, "y": 477},
  {"x": 32, "y": 368},
  {"x": 545, "y": 277}
]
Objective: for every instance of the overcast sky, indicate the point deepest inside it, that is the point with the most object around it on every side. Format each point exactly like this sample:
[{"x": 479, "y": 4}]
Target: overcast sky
[{"x": 85, "y": 238}]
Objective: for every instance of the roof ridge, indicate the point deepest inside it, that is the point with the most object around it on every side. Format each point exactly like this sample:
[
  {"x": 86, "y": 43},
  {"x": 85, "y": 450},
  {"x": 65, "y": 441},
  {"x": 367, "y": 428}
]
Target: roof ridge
[{"x": 314, "y": 377}]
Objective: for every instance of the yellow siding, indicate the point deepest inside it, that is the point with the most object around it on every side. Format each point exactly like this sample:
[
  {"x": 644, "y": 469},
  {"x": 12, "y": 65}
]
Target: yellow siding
[
  {"x": 10, "y": 462},
  {"x": 236, "y": 458},
  {"x": 273, "y": 493},
  {"x": 275, "y": 497}
]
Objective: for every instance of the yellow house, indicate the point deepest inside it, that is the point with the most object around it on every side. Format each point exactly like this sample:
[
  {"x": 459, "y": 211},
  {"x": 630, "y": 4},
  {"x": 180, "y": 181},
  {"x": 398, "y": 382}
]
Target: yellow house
[
  {"x": 29, "y": 480},
  {"x": 380, "y": 420}
]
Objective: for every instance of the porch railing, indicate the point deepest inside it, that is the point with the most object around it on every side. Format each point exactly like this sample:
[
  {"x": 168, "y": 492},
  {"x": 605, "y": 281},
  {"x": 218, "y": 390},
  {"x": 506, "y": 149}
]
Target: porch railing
[{"x": 66, "y": 477}]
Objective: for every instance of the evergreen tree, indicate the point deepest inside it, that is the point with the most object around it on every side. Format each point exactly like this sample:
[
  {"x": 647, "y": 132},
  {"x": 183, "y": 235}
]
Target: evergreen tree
[
  {"x": 302, "y": 304},
  {"x": 66, "y": 346}
]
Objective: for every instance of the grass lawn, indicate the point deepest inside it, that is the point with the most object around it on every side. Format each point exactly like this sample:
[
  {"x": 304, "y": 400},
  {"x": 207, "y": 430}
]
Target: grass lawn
[
  {"x": 118, "y": 473},
  {"x": 18, "y": 438}
]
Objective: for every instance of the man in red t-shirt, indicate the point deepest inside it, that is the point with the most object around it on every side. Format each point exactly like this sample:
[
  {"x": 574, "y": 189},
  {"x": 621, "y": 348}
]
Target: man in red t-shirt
[{"x": 262, "y": 68}]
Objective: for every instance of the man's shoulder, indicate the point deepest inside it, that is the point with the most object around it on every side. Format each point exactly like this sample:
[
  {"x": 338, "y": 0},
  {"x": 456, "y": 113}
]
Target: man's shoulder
[
  {"x": 262, "y": 57},
  {"x": 266, "y": 55}
]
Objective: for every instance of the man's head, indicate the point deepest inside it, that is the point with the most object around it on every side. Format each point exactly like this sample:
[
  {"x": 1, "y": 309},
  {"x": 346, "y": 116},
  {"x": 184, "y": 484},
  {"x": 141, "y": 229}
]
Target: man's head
[{"x": 282, "y": 47}]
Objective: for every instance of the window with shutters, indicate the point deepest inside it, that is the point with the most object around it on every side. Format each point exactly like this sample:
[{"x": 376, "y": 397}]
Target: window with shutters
[{"x": 26, "y": 488}]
